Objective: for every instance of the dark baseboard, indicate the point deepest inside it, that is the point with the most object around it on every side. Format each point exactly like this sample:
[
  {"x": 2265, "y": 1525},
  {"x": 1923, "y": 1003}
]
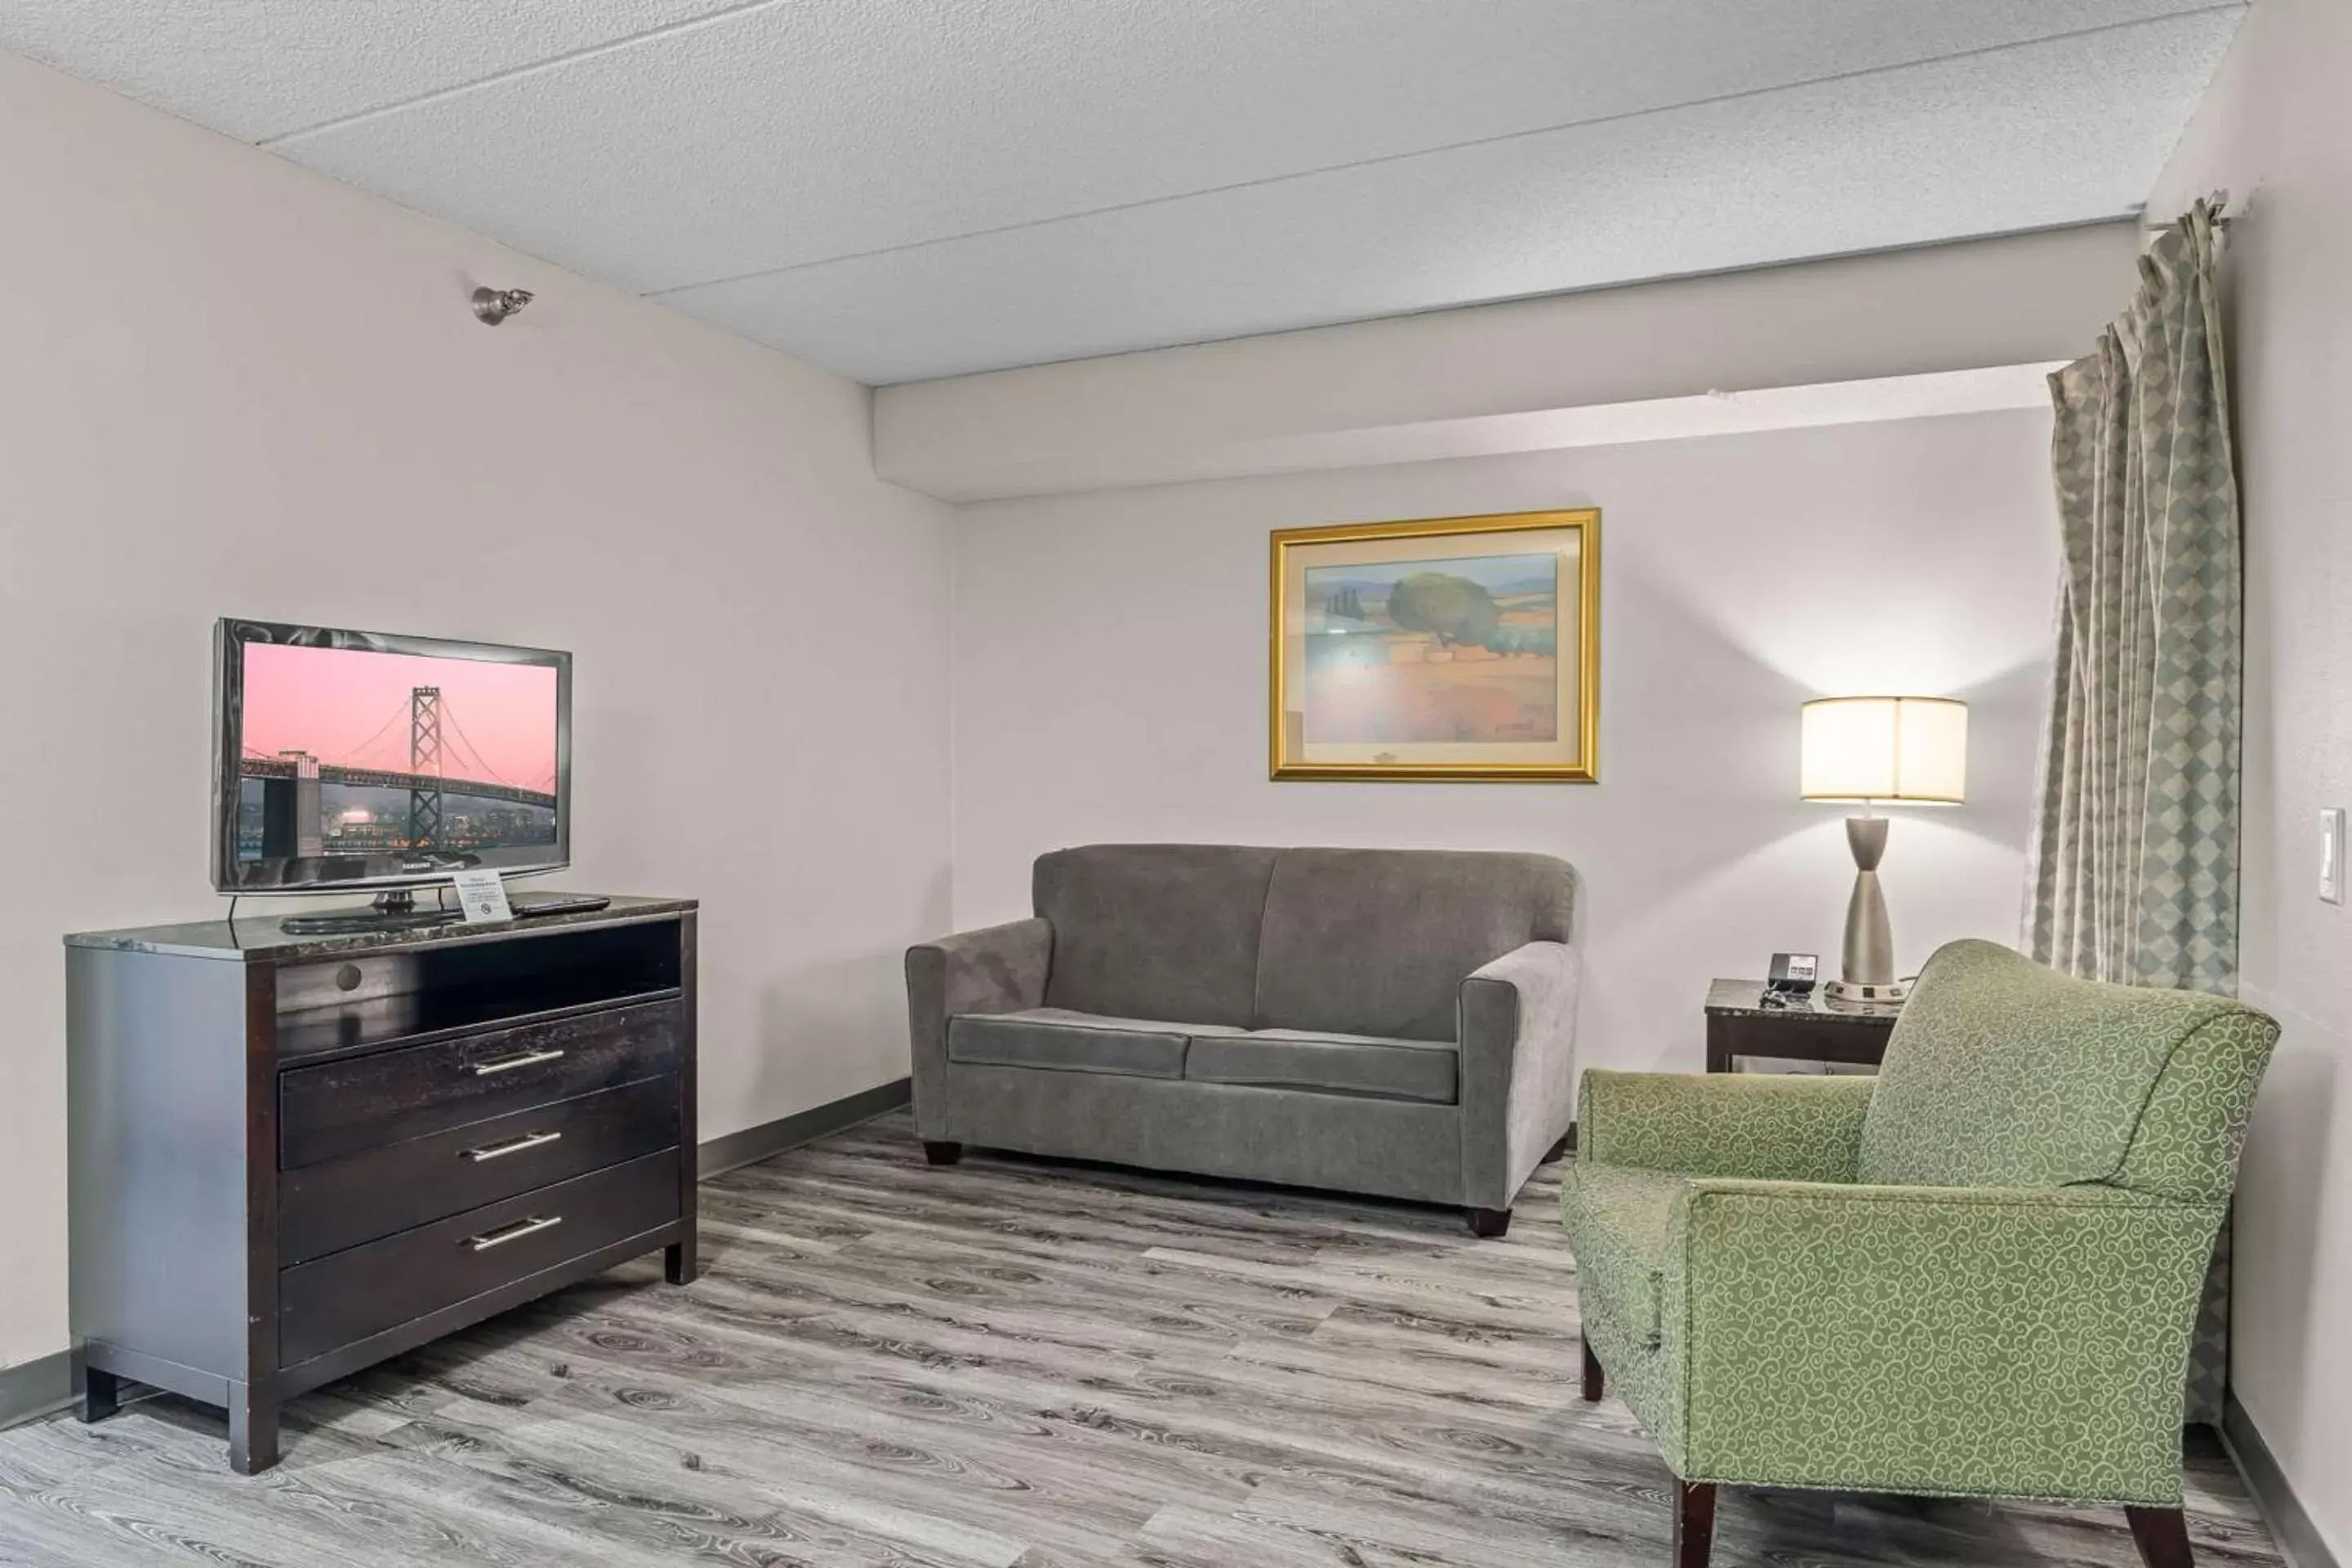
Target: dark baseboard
[
  {"x": 2291, "y": 1526},
  {"x": 771, "y": 1138},
  {"x": 36, "y": 1387}
]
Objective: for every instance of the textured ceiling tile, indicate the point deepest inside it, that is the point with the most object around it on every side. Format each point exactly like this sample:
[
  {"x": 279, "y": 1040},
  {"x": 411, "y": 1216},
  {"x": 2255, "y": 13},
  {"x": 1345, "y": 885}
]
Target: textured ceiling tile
[
  {"x": 2056, "y": 133},
  {"x": 258, "y": 68},
  {"x": 788, "y": 134},
  {"x": 907, "y": 187}
]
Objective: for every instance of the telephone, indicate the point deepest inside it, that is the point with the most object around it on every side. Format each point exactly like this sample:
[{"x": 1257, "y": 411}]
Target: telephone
[{"x": 1792, "y": 974}]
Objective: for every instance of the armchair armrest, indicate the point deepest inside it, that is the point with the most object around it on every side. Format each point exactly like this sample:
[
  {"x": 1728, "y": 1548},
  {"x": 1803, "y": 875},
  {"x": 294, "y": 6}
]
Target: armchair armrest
[
  {"x": 2001, "y": 1342},
  {"x": 1000, "y": 969},
  {"x": 1773, "y": 1126},
  {"x": 1517, "y": 1026}
]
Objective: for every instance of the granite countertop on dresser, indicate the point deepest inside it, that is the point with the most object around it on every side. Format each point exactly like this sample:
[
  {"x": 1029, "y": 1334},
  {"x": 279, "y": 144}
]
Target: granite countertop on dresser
[{"x": 257, "y": 939}]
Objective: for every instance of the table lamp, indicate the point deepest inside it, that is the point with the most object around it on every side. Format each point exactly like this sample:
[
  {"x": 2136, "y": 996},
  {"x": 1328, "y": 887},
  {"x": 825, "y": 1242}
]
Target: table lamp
[{"x": 1910, "y": 750}]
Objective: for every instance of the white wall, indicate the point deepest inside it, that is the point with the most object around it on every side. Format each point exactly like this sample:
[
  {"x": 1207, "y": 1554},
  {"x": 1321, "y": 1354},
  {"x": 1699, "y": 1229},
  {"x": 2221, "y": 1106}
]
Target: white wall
[
  {"x": 1110, "y": 683},
  {"x": 2272, "y": 131},
  {"x": 229, "y": 385},
  {"x": 1490, "y": 379}
]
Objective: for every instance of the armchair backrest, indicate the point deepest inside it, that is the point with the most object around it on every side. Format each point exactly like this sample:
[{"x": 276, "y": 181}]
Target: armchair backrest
[
  {"x": 1363, "y": 941},
  {"x": 2003, "y": 1073}
]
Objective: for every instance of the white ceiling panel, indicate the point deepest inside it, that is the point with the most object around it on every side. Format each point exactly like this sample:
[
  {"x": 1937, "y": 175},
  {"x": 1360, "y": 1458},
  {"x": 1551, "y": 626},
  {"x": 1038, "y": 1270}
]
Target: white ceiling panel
[
  {"x": 260, "y": 69},
  {"x": 902, "y": 188},
  {"x": 1866, "y": 162},
  {"x": 787, "y": 135}
]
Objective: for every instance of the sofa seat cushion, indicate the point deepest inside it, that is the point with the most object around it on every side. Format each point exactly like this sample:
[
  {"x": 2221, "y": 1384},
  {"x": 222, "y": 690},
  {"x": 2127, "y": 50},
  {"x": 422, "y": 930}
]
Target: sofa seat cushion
[
  {"x": 1367, "y": 1065},
  {"x": 1060, "y": 1040},
  {"x": 1616, "y": 1217}
]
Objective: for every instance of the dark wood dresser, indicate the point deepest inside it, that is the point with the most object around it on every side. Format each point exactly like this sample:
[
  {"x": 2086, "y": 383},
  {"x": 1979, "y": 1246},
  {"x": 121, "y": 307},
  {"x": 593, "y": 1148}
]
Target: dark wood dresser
[{"x": 294, "y": 1156}]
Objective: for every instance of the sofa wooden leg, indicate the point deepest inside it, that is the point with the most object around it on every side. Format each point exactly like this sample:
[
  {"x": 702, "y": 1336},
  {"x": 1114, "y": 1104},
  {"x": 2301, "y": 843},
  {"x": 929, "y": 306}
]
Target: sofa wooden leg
[
  {"x": 101, "y": 1394},
  {"x": 2161, "y": 1535},
  {"x": 1489, "y": 1222},
  {"x": 1595, "y": 1380},
  {"x": 1693, "y": 1523},
  {"x": 942, "y": 1153}
]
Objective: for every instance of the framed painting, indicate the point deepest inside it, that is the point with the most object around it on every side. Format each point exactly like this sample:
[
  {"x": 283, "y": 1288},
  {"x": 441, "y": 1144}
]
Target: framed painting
[{"x": 1450, "y": 647}]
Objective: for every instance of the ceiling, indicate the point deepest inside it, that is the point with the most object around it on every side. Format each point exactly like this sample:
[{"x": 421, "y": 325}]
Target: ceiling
[{"x": 902, "y": 189}]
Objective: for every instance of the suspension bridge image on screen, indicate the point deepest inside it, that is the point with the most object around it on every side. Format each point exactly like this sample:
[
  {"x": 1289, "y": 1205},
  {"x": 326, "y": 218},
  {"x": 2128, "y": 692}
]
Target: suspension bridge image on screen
[{"x": 347, "y": 751}]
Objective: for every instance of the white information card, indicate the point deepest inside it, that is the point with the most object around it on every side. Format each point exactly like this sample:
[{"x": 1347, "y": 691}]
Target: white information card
[{"x": 483, "y": 894}]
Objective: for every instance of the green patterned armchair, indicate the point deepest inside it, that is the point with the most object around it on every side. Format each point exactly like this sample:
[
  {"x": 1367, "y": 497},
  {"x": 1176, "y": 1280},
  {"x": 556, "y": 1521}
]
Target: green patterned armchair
[{"x": 1975, "y": 1274}]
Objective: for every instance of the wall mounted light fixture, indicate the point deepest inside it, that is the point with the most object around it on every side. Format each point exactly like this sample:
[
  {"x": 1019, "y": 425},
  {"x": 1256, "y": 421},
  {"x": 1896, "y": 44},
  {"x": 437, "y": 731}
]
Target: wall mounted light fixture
[{"x": 495, "y": 305}]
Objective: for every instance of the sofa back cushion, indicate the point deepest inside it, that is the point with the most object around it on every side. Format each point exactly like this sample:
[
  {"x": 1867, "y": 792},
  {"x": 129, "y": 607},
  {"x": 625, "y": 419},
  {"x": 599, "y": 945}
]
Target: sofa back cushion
[
  {"x": 2003, "y": 1073},
  {"x": 1378, "y": 942},
  {"x": 1155, "y": 931}
]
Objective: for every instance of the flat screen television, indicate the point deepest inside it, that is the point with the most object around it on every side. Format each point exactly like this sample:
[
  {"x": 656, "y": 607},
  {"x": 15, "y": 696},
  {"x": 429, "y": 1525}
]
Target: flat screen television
[{"x": 363, "y": 760}]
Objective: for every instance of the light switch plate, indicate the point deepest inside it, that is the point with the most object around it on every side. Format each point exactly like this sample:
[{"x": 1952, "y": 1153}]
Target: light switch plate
[{"x": 2331, "y": 854}]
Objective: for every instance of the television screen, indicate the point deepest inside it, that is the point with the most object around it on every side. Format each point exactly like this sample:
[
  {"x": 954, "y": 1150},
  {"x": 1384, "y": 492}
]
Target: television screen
[{"x": 357, "y": 757}]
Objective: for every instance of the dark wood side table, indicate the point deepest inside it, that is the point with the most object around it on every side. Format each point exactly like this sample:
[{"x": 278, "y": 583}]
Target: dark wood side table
[{"x": 1740, "y": 1023}]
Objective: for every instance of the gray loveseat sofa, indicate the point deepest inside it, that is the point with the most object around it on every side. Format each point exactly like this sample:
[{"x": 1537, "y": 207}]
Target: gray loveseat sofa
[{"x": 1396, "y": 1022}]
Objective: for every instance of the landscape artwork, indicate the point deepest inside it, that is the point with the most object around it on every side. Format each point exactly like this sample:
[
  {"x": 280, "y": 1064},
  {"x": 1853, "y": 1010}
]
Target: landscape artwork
[
  {"x": 1444, "y": 649},
  {"x": 1433, "y": 650}
]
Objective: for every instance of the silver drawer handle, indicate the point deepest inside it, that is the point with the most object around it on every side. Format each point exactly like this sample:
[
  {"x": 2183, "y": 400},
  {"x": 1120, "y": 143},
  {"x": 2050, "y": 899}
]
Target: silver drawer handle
[
  {"x": 509, "y": 1064},
  {"x": 511, "y": 1146},
  {"x": 514, "y": 1232}
]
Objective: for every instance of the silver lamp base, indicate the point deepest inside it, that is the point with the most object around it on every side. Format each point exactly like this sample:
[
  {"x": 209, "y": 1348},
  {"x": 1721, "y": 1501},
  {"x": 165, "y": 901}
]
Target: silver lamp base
[{"x": 1869, "y": 958}]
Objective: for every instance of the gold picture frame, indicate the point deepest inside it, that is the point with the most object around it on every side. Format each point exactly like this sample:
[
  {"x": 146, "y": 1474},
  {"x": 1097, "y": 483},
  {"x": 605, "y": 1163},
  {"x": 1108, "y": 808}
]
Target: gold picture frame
[{"x": 1446, "y": 648}]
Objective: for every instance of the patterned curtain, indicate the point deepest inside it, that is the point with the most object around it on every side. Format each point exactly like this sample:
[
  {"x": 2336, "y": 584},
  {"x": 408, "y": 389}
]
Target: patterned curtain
[
  {"x": 2133, "y": 874},
  {"x": 2134, "y": 870}
]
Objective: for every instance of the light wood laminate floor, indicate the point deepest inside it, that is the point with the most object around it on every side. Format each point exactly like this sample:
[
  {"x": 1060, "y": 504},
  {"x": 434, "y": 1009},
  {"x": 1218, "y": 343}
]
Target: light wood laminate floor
[{"x": 1004, "y": 1364}]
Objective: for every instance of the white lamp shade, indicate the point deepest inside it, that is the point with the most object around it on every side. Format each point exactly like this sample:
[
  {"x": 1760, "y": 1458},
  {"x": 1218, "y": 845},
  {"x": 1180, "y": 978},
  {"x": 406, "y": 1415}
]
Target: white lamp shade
[{"x": 1885, "y": 748}]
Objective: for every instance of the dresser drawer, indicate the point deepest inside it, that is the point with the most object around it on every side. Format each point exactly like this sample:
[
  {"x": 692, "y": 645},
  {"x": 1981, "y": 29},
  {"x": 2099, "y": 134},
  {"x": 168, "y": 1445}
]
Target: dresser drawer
[
  {"x": 369, "y": 1101},
  {"x": 364, "y": 1290},
  {"x": 334, "y": 1203}
]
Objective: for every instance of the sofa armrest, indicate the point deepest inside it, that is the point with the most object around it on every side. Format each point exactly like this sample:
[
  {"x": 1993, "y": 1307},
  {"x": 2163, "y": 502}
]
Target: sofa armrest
[
  {"x": 1773, "y": 1126},
  {"x": 2000, "y": 1341},
  {"x": 1000, "y": 969},
  {"x": 1517, "y": 1018}
]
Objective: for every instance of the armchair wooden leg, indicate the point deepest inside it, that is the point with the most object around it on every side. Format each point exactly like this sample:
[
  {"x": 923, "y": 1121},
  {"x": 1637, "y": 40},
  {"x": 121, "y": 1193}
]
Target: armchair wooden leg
[
  {"x": 1489, "y": 1222},
  {"x": 1595, "y": 1381},
  {"x": 2161, "y": 1535},
  {"x": 1693, "y": 1523},
  {"x": 942, "y": 1153}
]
